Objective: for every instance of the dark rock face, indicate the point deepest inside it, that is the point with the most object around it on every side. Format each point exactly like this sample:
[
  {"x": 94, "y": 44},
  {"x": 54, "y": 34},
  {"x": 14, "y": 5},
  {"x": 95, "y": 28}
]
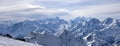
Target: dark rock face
[
  {"x": 7, "y": 35},
  {"x": 21, "y": 39}
]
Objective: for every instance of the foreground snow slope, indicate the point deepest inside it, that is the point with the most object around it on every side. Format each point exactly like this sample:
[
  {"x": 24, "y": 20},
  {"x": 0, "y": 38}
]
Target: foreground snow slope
[
  {"x": 4, "y": 41},
  {"x": 66, "y": 38}
]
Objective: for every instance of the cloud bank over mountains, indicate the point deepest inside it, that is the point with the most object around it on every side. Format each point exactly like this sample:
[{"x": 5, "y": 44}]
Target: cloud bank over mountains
[{"x": 65, "y": 9}]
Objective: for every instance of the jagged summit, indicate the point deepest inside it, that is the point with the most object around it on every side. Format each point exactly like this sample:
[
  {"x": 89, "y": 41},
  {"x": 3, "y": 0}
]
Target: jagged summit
[{"x": 108, "y": 21}]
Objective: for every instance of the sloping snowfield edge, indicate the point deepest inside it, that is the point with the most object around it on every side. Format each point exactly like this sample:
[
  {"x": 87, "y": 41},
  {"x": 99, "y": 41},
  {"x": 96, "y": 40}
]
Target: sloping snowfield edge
[{"x": 4, "y": 41}]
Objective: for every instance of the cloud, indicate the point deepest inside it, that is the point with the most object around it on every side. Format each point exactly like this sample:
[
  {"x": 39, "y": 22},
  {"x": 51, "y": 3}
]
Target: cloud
[
  {"x": 65, "y": 1},
  {"x": 66, "y": 9},
  {"x": 20, "y": 9},
  {"x": 97, "y": 11},
  {"x": 13, "y": 2},
  {"x": 58, "y": 3},
  {"x": 31, "y": 11},
  {"x": 25, "y": 7},
  {"x": 12, "y": 5}
]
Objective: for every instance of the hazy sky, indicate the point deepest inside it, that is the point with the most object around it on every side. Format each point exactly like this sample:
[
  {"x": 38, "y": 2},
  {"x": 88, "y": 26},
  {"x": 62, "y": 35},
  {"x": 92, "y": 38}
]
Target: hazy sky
[{"x": 63, "y": 8}]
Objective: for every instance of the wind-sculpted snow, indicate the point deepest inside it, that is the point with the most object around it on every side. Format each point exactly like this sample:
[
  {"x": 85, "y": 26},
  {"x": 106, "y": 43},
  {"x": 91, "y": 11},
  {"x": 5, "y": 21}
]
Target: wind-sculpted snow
[
  {"x": 81, "y": 31},
  {"x": 4, "y": 41}
]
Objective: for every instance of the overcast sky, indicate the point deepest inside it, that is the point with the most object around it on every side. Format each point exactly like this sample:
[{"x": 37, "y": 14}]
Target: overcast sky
[{"x": 66, "y": 9}]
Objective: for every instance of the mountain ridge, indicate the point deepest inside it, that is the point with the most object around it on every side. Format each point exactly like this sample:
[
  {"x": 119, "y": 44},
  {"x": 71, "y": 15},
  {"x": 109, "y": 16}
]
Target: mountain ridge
[{"x": 93, "y": 31}]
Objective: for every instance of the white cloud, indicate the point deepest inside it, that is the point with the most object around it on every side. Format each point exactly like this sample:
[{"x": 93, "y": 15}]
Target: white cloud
[
  {"x": 26, "y": 7},
  {"x": 77, "y": 1},
  {"x": 34, "y": 14},
  {"x": 97, "y": 10},
  {"x": 65, "y": 1},
  {"x": 52, "y": 11},
  {"x": 14, "y": 2},
  {"x": 13, "y": 5},
  {"x": 35, "y": 6}
]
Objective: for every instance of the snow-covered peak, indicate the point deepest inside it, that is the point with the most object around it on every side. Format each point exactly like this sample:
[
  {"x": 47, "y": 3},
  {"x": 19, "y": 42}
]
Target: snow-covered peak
[
  {"x": 65, "y": 33},
  {"x": 78, "y": 20},
  {"x": 108, "y": 21},
  {"x": 94, "y": 20}
]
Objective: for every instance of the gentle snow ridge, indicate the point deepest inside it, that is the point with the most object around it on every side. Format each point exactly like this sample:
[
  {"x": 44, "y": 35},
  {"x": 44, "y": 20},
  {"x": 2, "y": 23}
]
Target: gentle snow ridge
[{"x": 4, "y": 41}]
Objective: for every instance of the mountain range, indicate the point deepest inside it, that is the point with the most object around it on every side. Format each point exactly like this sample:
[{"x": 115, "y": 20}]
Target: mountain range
[{"x": 79, "y": 31}]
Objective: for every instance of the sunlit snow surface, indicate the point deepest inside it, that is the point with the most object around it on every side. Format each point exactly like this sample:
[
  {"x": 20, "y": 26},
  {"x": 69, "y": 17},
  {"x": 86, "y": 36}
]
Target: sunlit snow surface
[{"x": 4, "y": 41}]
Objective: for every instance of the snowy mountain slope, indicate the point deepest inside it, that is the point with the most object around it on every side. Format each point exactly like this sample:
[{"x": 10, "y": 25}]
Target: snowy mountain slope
[
  {"x": 98, "y": 33},
  {"x": 66, "y": 38},
  {"x": 4, "y": 41},
  {"x": 85, "y": 31},
  {"x": 43, "y": 39},
  {"x": 21, "y": 29}
]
